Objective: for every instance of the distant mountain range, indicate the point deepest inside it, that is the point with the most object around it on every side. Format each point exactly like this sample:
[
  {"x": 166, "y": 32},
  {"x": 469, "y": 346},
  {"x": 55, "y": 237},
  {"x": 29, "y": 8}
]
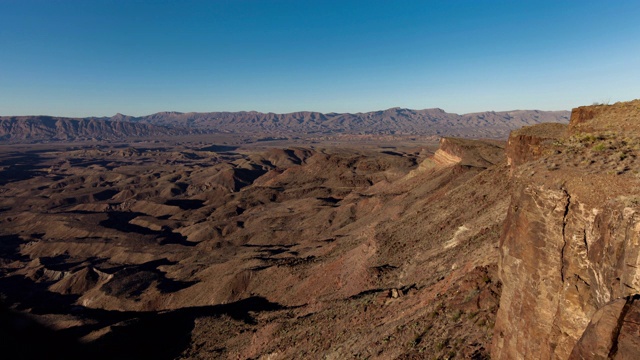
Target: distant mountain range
[
  {"x": 48, "y": 128},
  {"x": 397, "y": 121}
]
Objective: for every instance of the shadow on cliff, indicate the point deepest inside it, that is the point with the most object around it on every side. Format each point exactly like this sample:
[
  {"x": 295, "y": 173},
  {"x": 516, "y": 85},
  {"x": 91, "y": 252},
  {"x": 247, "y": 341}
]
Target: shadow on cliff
[
  {"x": 159, "y": 335},
  {"x": 121, "y": 221},
  {"x": 118, "y": 334},
  {"x": 21, "y": 166},
  {"x": 129, "y": 334}
]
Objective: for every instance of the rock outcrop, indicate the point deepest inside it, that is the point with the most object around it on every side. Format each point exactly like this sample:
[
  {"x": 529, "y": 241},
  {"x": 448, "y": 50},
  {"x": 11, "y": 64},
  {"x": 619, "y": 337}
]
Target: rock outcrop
[
  {"x": 614, "y": 332},
  {"x": 527, "y": 144},
  {"x": 570, "y": 248},
  {"x": 461, "y": 153},
  {"x": 474, "y": 153}
]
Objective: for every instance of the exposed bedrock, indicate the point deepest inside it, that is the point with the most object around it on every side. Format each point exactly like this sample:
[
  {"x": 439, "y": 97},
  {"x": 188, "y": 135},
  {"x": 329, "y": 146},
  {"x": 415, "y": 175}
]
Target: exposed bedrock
[
  {"x": 528, "y": 143},
  {"x": 569, "y": 252},
  {"x": 474, "y": 153},
  {"x": 561, "y": 260},
  {"x": 612, "y": 333}
]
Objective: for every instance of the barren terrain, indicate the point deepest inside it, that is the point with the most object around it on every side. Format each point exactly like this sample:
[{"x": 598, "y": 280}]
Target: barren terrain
[{"x": 193, "y": 249}]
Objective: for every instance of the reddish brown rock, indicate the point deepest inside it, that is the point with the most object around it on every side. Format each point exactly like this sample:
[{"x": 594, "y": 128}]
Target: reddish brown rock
[
  {"x": 528, "y": 143},
  {"x": 583, "y": 114},
  {"x": 613, "y": 333},
  {"x": 469, "y": 152},
  {"x": 570, "y": 244}
]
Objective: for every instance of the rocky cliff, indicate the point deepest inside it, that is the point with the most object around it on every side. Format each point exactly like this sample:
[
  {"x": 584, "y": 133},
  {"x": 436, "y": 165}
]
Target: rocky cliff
[
  {"x": 569, "y": 252},
  {"x": 480, "y": 154}
]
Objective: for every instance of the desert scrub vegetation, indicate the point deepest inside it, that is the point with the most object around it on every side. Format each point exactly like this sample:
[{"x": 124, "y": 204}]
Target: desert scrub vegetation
[
  {"x": 599, "y": 147},
  {"x": 600, "y": 141},
  {"x": 587, "y": 139},
  {"x": 456, "y": 315},
  {"x": 609, "y": 150}
]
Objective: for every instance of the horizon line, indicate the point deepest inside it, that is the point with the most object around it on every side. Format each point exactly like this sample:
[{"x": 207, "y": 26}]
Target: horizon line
[{"x": 279, "y": 113}]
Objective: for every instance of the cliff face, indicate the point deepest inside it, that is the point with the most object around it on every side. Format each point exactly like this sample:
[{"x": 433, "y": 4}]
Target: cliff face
[
  {"x": 481, "y": 154},
  {"x": 527, "y": 144},
  {"x": 570, "y": 248},
  {"x": 613, "y": 332}
]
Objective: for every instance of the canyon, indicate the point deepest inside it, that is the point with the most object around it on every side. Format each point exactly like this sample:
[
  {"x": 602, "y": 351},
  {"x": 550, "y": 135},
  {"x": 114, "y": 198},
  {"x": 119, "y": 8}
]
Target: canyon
[{"x": 389, "y": 248}]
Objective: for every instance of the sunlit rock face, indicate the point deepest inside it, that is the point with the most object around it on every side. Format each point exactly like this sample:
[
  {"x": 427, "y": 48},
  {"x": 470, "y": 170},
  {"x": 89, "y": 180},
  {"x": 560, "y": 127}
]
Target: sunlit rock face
[{"x": 569, "y": 252}]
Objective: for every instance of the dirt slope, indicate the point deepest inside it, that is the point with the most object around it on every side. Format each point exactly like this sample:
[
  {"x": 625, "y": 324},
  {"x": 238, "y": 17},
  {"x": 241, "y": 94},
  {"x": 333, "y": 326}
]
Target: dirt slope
[{"x": 283, "y": 253}]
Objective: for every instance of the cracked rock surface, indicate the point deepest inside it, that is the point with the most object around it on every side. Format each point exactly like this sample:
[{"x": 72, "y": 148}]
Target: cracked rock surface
[{"x": 570, "y": 244}]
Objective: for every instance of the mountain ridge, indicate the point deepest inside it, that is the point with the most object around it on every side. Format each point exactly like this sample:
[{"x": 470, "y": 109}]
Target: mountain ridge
[
  {"x": 51, "y": 128},
  {"x": 393, "y": 121}
]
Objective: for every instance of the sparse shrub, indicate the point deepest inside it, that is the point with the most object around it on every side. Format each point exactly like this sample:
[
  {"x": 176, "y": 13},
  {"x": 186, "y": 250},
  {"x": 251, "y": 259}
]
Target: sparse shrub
[
  {"x": 600, "y": 147},
  {"x": 583, "y": 138},
  {"x": 442, "y": 344},
  {"x": 600, "y": 103},
  {"x": 456, "y": 315}
]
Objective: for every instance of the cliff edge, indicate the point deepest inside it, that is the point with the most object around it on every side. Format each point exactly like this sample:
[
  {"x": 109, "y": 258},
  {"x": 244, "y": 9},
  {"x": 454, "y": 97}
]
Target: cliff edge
[{"x": 570, "y": 247}]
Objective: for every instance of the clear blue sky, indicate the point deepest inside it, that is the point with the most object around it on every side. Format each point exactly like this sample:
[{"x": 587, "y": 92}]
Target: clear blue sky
[{"x": 99, "y": 57}]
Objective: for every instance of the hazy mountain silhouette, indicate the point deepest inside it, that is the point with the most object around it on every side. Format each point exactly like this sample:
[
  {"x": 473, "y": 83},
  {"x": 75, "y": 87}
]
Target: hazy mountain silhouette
[{"x": 396, "y": 121}]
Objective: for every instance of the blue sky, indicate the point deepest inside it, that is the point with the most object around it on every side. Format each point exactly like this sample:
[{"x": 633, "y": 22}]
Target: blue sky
[{"x": 100, "y": 57}]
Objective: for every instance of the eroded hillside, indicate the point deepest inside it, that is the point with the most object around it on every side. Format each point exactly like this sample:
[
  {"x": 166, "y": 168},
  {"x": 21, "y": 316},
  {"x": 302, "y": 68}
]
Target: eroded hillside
[{"x": 282, "y": 253}]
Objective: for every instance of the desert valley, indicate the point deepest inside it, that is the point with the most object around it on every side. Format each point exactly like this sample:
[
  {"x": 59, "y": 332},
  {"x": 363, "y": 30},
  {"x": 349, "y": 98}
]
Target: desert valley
[{"x": 397, "y": 234}]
